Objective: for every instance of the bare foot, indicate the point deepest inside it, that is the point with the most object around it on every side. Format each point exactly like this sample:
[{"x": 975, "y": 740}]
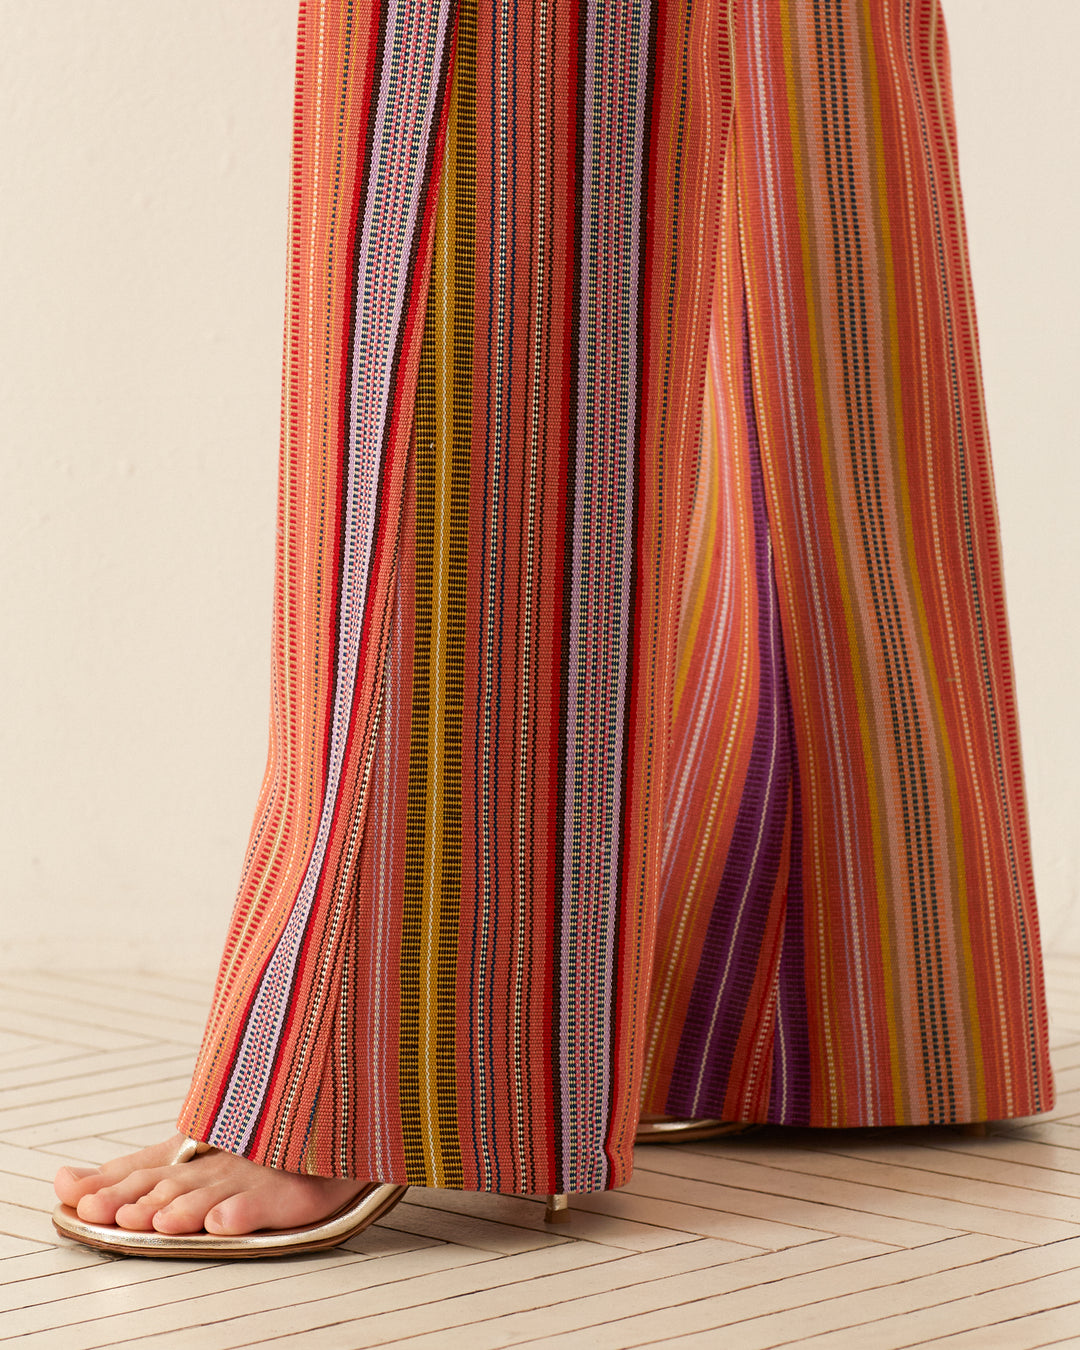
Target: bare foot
[{"x": 216, "y": 1192}]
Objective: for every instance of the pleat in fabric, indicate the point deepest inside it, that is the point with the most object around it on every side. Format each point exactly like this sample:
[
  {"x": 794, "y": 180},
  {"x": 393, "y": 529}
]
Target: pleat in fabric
[{"x": 643, "y": 725}]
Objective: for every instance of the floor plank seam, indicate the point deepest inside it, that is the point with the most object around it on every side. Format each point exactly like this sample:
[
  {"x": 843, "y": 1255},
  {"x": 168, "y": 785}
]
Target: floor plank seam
[{"x": 807, "y": 1232}]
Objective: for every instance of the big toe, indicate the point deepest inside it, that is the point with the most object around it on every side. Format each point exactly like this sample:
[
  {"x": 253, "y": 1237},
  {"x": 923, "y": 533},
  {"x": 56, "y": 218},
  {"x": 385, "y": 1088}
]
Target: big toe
[
  {"x": 280, "y": 1203},
  {"x": 246, "y": 1212},
  {"x": 188, "y": 1212}
]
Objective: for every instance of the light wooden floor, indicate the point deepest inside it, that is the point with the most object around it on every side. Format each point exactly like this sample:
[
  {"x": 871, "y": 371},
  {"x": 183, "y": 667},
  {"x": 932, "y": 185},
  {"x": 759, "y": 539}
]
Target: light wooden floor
[{"x": 843, "y": 1241}]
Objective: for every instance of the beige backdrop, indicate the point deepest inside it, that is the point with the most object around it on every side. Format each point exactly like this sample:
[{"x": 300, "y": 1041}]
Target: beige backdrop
[{"x": 144, "y": 153}]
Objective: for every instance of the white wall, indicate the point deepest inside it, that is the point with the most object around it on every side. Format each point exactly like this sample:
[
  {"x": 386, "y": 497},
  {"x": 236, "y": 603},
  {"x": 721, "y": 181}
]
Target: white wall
[
  {"x": 143, "y": 175},
  {"x": 1018, "y": 116}
]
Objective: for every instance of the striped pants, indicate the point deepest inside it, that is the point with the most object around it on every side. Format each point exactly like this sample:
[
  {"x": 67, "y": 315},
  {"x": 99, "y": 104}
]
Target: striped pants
[{"x": 643, "y": 729}]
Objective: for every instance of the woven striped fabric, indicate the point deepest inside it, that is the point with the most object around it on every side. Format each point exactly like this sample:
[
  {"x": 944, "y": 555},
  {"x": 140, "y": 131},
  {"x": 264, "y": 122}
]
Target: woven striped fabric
[{"x": 643, "y": 725}]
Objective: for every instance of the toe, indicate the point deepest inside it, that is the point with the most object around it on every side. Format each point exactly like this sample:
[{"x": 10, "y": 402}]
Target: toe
[
  {"x": 279, "y": 1201},
  {"x": 71, "y": 1183},
  {"x": 236, "y": 1214},
  {"x": 139, "y": 1216},
  {"x": 188, "y": 1212},
  {"x": 100, "y": 1206}
]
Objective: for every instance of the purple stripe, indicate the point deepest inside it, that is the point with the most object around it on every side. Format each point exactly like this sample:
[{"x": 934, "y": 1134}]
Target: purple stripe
[
  {"x": 718, "y": 1006},
  {"x": 789, "y": 1096}
]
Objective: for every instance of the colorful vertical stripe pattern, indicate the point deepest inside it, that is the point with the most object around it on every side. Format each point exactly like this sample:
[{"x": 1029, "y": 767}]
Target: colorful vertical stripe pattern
[{"x": 643, "y": 727}]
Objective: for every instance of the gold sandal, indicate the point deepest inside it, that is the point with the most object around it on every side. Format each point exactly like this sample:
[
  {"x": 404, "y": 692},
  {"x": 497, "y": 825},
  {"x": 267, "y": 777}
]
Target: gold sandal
[
  {"x": 675, "y": 1130},
  {"x": 372, "y": 1203}
]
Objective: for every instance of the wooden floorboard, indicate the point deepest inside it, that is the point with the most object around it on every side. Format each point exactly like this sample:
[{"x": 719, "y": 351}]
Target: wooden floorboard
[{"x": 830, "y": 1240}]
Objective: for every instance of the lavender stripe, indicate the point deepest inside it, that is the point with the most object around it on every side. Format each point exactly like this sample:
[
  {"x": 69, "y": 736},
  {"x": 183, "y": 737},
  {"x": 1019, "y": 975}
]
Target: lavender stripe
[{"x": 617, "y": 38}]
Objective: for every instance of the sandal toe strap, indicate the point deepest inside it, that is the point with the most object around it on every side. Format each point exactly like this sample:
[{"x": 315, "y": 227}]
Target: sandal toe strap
[{"x": 189, "y": 1149}]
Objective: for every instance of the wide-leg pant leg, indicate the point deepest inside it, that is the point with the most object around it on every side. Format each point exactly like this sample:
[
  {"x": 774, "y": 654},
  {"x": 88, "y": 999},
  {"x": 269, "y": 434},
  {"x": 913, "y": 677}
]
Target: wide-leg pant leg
[
  {"x": 847, "y": 932},
  {"x": 502, "y": 248}
]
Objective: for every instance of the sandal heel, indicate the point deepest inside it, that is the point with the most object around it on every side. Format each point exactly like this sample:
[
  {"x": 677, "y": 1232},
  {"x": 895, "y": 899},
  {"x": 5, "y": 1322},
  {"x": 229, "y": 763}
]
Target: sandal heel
[{"x": 558, "y": 1208}]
